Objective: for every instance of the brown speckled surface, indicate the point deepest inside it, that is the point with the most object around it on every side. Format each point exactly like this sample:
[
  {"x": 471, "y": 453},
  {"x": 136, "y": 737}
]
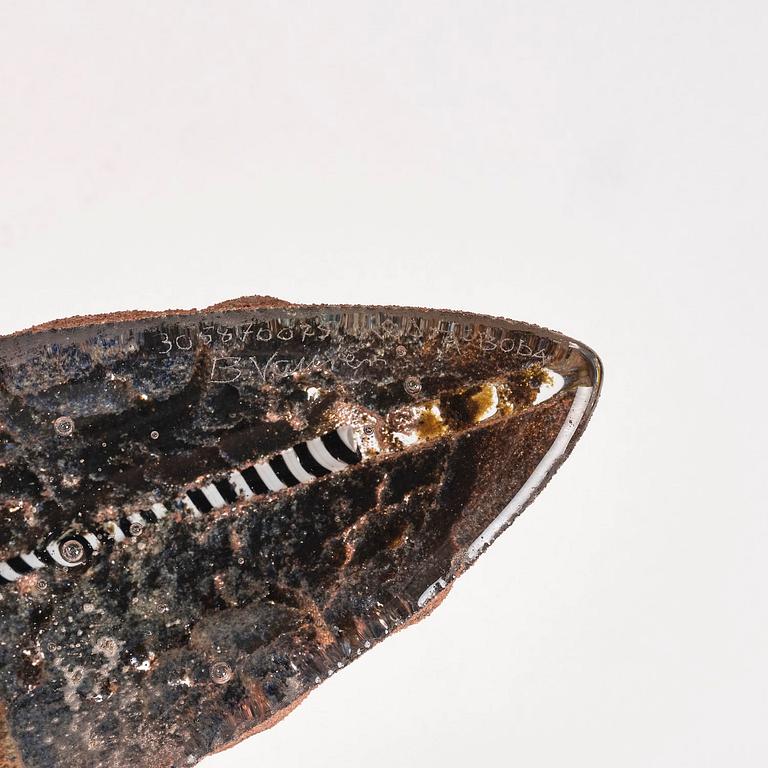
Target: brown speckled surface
[{"x": 110, "y": 664}]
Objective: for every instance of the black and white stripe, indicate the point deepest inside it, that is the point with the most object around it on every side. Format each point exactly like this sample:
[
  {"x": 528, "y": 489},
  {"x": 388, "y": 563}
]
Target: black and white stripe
[
  {"x": 303, "y": 463},
  {"x": 89, "y": 542},
  {"x": 15, "y": 567},
  {"x": 49, "y": 554}
]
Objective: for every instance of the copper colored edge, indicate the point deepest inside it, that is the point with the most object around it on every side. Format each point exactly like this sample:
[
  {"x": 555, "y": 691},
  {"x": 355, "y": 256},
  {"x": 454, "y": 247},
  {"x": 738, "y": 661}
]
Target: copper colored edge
[
  {"x": 272, "y": 721},
  {"x": 262, "y": 302},
  {"x": 78, "y": 321}
]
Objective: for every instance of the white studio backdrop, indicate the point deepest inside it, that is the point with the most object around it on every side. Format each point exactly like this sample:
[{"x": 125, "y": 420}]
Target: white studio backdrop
[{"x": 598, "y": 168}]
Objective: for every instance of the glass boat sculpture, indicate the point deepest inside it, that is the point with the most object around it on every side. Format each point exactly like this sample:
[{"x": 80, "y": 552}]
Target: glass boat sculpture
[{"x": 204, "y": 514}]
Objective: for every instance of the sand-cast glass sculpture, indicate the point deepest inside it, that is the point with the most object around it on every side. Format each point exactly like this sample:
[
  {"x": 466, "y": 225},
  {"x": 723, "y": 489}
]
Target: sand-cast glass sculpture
[{"x": 205, "y": 514}]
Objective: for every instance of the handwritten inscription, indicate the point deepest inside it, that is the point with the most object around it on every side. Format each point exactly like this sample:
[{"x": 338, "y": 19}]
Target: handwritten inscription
[{"x": 226, "y": 370}]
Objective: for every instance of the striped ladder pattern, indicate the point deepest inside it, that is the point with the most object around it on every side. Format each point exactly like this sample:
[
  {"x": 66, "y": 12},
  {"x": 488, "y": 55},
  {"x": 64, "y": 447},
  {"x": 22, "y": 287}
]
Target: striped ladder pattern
[{"x": 331, "y": 452}]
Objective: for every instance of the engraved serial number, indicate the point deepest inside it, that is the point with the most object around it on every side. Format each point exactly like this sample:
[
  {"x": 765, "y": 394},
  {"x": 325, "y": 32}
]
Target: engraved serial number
[
  {"x": 211, "y": 335},
  {"x": 448, "y": 338}
]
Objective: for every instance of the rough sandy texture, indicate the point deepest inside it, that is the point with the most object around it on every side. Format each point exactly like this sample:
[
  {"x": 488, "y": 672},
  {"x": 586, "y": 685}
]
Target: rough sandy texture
[{"x": 111, "y": 665}]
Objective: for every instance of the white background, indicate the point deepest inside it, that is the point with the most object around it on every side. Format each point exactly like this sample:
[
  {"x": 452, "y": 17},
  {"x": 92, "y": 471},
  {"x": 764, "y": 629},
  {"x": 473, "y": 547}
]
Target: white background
[{"x": 596, "y": 167}]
